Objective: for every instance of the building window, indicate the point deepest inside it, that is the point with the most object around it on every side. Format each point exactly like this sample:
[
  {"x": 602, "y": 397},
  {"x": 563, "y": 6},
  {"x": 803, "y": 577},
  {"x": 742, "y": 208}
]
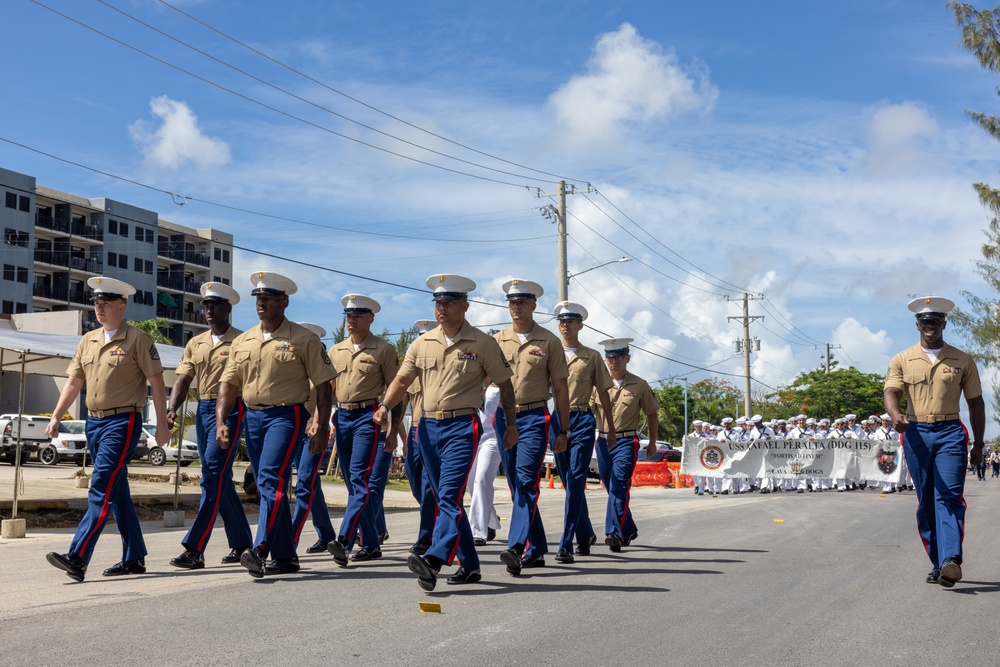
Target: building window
[
  {"x": 14, "y": 237},
  {"x": 22, "y": 275},
  {"x": 149, "y": 268},
  {"x": 112, "y": 259},
  {"x": 225, "y": 281},
  {"x": 137, "y": 266},
  {"x": 123, "y": 229},
  {"x": 11, "y": 200},
  {"x": 218, "y": 254},
  {"x": 122, "y": 261},
  {"x": 112, "y": 226},
  {"x": 150, "y": 236},
  {"x": 139, "y": 235},
  {"x": 24, "y": 204},
  {"x": 136, "y": 297},
  {"x": 20, "y": 307},
  {"x": 8, "y": 272},
  {"x": 8, "y": 307},
  {"x": 225, "y": 256},
  {"x": 149, "y": 298}
]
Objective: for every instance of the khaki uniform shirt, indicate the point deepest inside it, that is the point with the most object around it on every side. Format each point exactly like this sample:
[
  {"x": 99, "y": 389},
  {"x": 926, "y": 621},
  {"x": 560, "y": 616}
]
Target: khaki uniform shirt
[
  {"x": 536, "y": 362},
  {"x": 934, "y": 389},
  {"x": 452, "y": 374},
  {"x": 416, "y": 401},
  {"x": 633, "y": 397},
  {"x": 365, "y": 373},
  {"x": 277, "y": 371},
  {"x": 587, "y": 372},
  {"x": 116, "y": 371},
  {"x": 204, "y": 361}
]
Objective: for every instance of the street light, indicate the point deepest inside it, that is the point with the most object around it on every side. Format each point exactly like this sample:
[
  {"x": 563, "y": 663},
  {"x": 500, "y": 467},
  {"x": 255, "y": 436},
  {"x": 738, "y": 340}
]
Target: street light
[{"x": 613, "y": 261}]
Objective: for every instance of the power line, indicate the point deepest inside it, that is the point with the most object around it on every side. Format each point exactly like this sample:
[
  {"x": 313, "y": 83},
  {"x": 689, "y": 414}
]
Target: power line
[
  {"x": 175, "y": 196},
  {"x": 362, "y": 103},
  {"x": 307, "y": 101},
  {"x": 272, "y": 108},
  {"x": 791, "y": 327}
]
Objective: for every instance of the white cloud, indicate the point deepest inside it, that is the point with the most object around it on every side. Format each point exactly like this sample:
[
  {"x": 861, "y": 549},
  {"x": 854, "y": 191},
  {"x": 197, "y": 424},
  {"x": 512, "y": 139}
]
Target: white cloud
[
  {"x": 862, "y": 347},
  {"x": 628, "y": 79},
  {"x": 898, "y": 134},
  {"x": 178, "y": 139}
]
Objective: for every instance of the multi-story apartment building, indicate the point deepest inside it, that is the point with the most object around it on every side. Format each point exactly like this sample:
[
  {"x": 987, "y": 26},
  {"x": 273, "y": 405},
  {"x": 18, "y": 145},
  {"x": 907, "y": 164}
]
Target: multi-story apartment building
[{"x": 54, "y": 241}]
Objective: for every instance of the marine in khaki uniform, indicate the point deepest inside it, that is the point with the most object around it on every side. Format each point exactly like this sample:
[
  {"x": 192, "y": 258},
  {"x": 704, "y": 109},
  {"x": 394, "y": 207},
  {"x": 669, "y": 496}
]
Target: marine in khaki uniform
[
  {"x": 203, "y": 362},
  {"x": 538, "y": 361},
  {"x": 116, "y": 361},
  {"x": 365, "y": 365},
  {"x": 452, "y": 363},
  {"x": 934, "y": 376},
  {"x": 630, "y": 398},
  {"x": 588, "y": 376},
  {"x": 273, "y": 365}
]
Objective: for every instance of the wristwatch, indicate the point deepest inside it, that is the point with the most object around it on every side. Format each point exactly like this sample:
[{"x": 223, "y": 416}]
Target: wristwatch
[{"x": 563, "y": 432}]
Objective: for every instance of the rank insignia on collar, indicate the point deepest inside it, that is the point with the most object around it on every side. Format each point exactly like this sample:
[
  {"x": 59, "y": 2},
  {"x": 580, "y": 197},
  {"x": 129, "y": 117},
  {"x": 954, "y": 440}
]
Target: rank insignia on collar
[{"x": 537, "y": 353}]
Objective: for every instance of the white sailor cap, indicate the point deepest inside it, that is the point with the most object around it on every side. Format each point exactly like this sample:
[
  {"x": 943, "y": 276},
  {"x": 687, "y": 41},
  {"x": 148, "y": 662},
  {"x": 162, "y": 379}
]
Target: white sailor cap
[
  {"x": 450, "y": 286},
  {"x": 839, "y": 420},
  {"x": 782, "y": 421},
  {"x": 615, "y": 347},
  {"x": 727, "y": 420},
  {"x": 810, "y": 420},
  {"x": 109, "y": 289},
  {"x": 271, "y": 284},
  {"x": 359, "y": 303},
  {"x": 423, "y": 326},
  {"x": 219, "y": 292},
  {"x": 567, "y": 310},
  {"x": 931, "y": 307},
  {"x": 886, "y": 417},
  {"x": 518, "y": 289},
  {"x": 756, "y": 418},
  {"x": 696, "y": 422},
  {"x": 799, "y": 416},
  {"x": 824, "y": 420},
  {"x": 741, "y": 420},
  {"x": 866, "y": 421},
  {"x": 314, "y": 328},
  {"x": 851, "y": 417}
]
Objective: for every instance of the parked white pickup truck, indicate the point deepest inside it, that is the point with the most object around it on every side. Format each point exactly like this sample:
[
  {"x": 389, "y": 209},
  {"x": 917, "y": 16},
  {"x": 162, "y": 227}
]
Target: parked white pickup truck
[{"x": 32, "y": 433}]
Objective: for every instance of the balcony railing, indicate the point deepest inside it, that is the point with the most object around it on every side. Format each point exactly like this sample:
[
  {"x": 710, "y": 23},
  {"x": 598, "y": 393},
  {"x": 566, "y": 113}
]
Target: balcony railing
[
  {"x": 170, "y": 250},
  {"x": 193, "y": 286},
  {"x": 168, "y": 312},
  {"x": 195, "y": 318},
  {"x": 198, "y": 258},
  {"x": 64, "y": 259},
  {"x": 60, "y": 294},
  {"x": 169, "y": 281},
  {"x": 88, "y": 231}
]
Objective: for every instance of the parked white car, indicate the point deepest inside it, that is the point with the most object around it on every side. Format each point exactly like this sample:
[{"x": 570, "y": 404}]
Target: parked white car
[
  {"x": 69, "y": 445},
  {"x": 160, "y": 455}
]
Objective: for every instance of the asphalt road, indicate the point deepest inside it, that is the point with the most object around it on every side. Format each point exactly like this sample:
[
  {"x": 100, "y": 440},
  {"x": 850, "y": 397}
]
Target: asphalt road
[{"x": 711, "y": 581}]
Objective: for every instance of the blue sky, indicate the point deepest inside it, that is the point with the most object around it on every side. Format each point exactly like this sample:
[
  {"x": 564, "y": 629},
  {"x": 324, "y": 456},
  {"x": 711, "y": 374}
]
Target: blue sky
[{"x": 817, "y": 153}]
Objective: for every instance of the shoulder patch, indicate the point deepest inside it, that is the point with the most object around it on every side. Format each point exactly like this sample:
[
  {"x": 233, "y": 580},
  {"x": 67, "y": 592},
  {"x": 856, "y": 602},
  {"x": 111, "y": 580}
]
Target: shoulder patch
[
  {"x": 154, "y": 354},
  {"x": 326, "y": 357}
]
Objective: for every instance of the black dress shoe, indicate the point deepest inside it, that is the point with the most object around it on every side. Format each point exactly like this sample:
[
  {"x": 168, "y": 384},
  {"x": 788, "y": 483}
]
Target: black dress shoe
[
  {"x": 426, "y": 573},
  {"x": 512, "y": 560},
  {"x": 933, "y": 576},
  {"x": 801, "y": 491},
  {"x": 71, "y": 564},
  {"x": 463, "y": 577},
  {"x": 564, "y": 556},
  {"x": 584, "y": 549},
  {"x": 253, "y": 561},
  {"x": 338, "y": 549},
  {"x": 951, "y": 572},
  {"x": 383, "y": 537},
  {"x": 317, "y": 548},
  {"x": 126, "y": 567},
  {"x": 614, "y": 542},
  {"x": 419, "y": 548},
  {"x": 628, "y": 540},
  {"x": 479, "y": 541},
  {"x": 233, "y": 556},
  {"x": 491, "y": 534},
  {"x": 532, "y": 561},
  {"x": 366, "y": 554},
  {"x": 282, "y": 566},
  {"x": 189, "y": 560}
]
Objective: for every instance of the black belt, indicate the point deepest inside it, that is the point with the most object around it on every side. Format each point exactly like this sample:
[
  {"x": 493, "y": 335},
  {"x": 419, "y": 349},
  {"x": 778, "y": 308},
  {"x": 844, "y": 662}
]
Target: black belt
[
  {"x": 101, "y": 414},
  {"x": 357, "y": 405},
  {"x": 530, "y": 406}
]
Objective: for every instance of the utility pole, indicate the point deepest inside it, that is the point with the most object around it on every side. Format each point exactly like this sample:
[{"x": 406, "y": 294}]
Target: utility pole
[
  {"x": 558, "y": 213},
  {"x": 746, "y": 345},
  {"x": 829, "y": 347}
]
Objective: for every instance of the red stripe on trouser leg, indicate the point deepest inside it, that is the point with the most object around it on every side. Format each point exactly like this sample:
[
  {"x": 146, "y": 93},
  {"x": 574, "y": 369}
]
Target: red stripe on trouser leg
[
  {"x": 231, "y": 454},
  {"x": 279, "y": 495},
  {"x": 103, "y": 517},
  {"x": 465, "y": 484},
  {"x": 538, "y": 476}
]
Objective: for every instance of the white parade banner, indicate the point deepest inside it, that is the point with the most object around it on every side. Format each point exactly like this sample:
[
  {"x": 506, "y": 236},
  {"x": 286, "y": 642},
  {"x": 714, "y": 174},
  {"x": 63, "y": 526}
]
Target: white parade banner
[{"x": 850, "y": 458}]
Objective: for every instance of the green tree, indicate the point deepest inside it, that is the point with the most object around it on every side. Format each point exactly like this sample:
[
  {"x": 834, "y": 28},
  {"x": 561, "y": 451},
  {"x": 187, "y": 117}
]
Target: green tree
[
  {"x": 154, "y": 328},
  {"x": 981, "y": 323},
  {"x": 670, "y": 416},
  {"x": 340, "y": 333},
  {"x": 834, "y": 394}
]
